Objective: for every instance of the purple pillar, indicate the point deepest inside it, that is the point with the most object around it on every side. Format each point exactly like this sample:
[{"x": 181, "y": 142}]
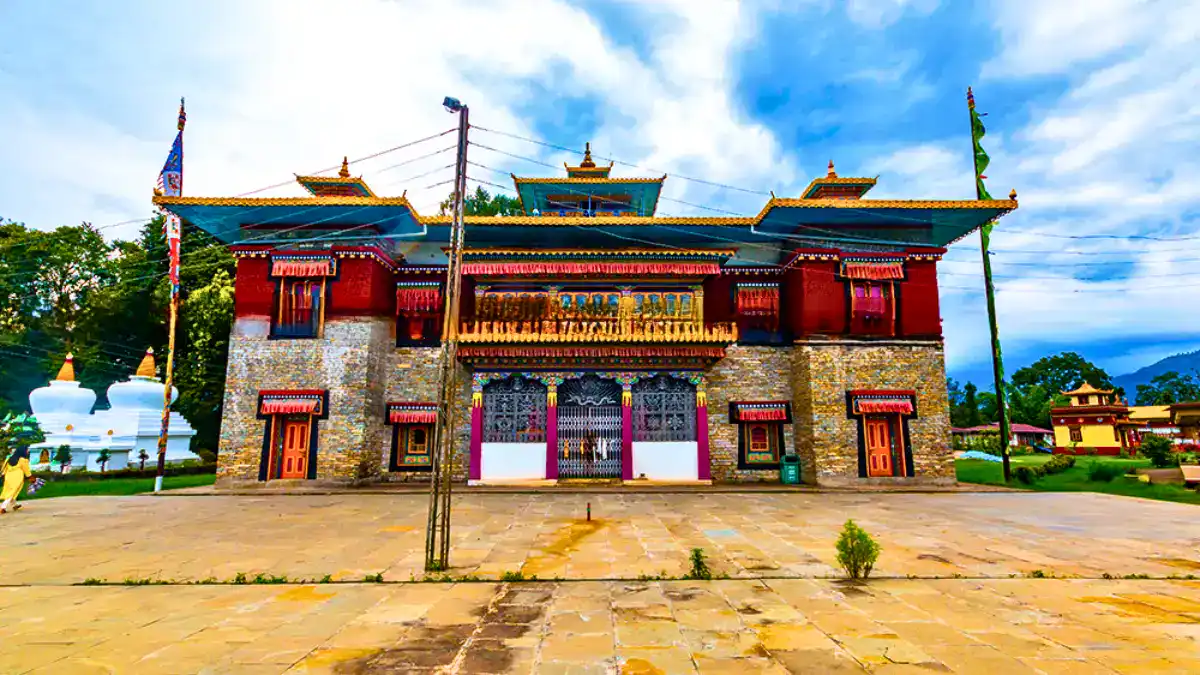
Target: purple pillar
[
  {"x": 475, "y": 471},
  {"x": 626, "y": 440},
  {"x": 552, "y": 442},
  {"x": 703, "y": 463}
]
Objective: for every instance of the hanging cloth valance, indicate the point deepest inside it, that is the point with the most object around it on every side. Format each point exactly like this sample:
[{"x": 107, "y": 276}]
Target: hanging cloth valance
[
  {"x": 758, "y": 300},
  {"x": 760, "y": 411},
  {"x": 874, "y": 271},
  {"x": 418, "y": 299},
  {"x": 301, "y": 267},
  {"x": 424, "y": 415},
  {"x": 900, "y": 406},
  {"x": 576, "y": 268},
  {"x": 289, "y": 406}
]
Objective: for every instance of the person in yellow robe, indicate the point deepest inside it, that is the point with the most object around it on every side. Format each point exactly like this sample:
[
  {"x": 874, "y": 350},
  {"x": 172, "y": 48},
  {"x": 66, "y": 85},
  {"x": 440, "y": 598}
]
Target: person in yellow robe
[{"x": 16, "y": 470}]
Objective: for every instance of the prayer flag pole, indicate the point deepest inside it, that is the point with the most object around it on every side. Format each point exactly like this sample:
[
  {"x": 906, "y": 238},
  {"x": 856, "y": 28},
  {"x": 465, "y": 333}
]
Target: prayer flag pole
[
  {"x": 981, "y": 161},
  {"x": 171, "y": 183}
]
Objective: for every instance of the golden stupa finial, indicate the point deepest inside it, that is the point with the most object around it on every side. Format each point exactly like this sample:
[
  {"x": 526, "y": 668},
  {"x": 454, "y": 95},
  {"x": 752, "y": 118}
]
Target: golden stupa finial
[
  {"x": 1013, "y": 194},
  {"x": 831, "y": 173},
  {"x": 146, "y": 367},
  {"x": 67, "y": 372},
  {"x": 587, "y": 162},
  {"x": 345, "y": 172}
]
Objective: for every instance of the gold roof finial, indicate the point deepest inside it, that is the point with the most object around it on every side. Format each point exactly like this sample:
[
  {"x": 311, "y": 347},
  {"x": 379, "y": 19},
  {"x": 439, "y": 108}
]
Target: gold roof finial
[
  {"x": 67, "y": 372},
  {"x": 345, "y": 172},
  {"x": 831, "y": 173},
  {"x": 587, "y": 162},
  {"x": 1013, "y": 194},
  {"x": 146, "y": 367}
]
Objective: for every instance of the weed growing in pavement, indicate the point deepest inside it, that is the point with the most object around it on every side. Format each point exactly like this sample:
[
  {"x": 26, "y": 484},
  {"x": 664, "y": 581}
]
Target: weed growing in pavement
[
  {"x": 857, "y": 551},
  {"x": 1137, "y": 576},
  {"x": 1036, "y": 574},
  {"x": 699, "y": 566},
  {"x": 239, "y": 578},
  {"x": 263, "y": 578},
  {"x": 91, "y": 581},
  {"x": 513, "y": 576},
  {"x": 327, "y": 579},
  {"x": 373, "y": 578}
]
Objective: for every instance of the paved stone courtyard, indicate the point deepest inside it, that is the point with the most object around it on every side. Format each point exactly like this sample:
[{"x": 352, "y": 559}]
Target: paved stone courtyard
[{"x": 781, "y": 611}]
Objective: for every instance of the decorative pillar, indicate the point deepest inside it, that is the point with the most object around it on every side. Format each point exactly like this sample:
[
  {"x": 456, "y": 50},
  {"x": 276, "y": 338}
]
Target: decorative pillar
[
  {"x": 698, "y": 305},
  {"x": 626, "y": 432},
  {"x": 475, "y": 469},
  {"x": 552, "y": 382},
  {"x": 703, "y": 461}
]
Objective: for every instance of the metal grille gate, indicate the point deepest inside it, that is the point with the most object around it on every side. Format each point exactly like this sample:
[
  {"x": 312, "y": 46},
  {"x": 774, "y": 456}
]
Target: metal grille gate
[{"x": 589, "y": 429}]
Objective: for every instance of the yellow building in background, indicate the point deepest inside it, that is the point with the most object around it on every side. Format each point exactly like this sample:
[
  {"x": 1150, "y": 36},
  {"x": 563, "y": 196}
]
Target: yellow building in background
[{"x": 1095, "y": 420}]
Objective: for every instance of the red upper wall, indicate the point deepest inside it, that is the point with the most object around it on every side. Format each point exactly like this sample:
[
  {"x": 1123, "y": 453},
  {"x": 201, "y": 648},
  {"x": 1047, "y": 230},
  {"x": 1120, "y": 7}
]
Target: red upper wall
[
  {"x": 917, "y": 301},
  {"x": 254, "y": 290}
]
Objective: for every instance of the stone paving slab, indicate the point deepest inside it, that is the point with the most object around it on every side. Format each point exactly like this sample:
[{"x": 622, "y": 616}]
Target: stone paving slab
[
  {"x": 740, "y": 626},
  {"x": 752, "y": 535}
]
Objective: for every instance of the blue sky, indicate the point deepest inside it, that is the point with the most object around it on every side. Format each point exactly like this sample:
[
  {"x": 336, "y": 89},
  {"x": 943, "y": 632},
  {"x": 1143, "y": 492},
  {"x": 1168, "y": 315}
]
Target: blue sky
[{"x": 1092, "y": 119}]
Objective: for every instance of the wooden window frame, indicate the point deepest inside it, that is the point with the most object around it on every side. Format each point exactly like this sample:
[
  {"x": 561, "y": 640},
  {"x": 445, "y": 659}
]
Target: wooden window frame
[
  {"x": 283, "y": 292},
  {"x": 775, "y": 440},
  {"x": 402, "y": 439},
  {"x": 1075, "y": 434}
]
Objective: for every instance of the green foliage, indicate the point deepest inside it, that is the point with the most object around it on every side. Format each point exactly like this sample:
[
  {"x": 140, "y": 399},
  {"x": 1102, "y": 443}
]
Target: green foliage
[
  {"x": 263, "y": 578},
  {"x": 142, "y": 457},
  {"x": 964, "y": 408},
  {"x": 103, "y": 456},
  {"x": 373, "y": 578},
  {"x": 69, "y": 290},
  {"x": 1188, "y": 458},
  {"x": 1170, "y": 387},
  {"x": 856, "y": 551},
  {"x": 1026, "y": 475},
  {"x": 1061, "y": 372},
  {"x": 91, "y": 581},
  {"x": 481, "y": 203},
  {"x": 1058, "y": 464},
  {"x": 19, "y": 430},
  {"x": 62, "y": 455},
  {"x": 513, "y": 576},
  {"x": 1158, "y": 450},
  {"x": 699, "y": 569},
  {"x": 1105, "y": 472},
  {"x": 240, "y": 578}
]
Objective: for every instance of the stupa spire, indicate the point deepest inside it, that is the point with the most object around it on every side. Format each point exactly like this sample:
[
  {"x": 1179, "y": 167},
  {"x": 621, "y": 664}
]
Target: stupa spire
[
  {"x": 67, "y": 372},
  {"x": 345, "y": 172},
  {"x": 831, "y": 173},
  {"x": 146, "y": 367},
  {"x": 587, "y": 162}
]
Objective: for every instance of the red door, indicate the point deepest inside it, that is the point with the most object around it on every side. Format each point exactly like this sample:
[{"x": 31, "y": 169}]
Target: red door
[
  {"x": 295, "y": 450},
  {"x": 879, "y": 448}
]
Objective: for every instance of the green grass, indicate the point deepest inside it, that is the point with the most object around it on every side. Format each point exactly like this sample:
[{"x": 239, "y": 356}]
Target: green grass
[
  {"x": 1075, "y": 479},
  {"x": 115, "y": 486}
]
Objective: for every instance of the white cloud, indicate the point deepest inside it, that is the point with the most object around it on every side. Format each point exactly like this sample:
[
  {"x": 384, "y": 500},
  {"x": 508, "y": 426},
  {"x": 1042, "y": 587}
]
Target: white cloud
[
  {"x": 880, "y": 13},
  {"x": 300, "y": 84}
]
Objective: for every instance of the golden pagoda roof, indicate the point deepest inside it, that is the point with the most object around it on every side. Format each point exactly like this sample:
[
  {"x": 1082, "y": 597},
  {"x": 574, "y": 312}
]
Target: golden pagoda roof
[
  {"x": 342, "y": 185},
  {"x": 1150, "y": 412},
  {"x": 146, "y": 367},
  {"x": 587, "y": 168},
  {"x": 1085, "y": 389},
  {"x": 832, "y": 179},
  {"x": 67, "y": 372}
]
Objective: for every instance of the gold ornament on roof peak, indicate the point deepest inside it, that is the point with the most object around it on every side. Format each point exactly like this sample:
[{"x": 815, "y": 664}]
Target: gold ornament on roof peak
[
  {"x": 587, "y": 162},
  {"x": 1013, "y": 195},
  {"x": 345, "y": 172},
  {"x": 146, "y": 367},
  {"x": 67, "y": 372},
  {"x": 831, "y": 173}
]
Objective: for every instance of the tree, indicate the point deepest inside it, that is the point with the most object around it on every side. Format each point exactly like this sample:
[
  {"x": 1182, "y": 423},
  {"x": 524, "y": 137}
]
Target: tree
[
  {"x": 1170, "y": 387},
  {"x": 62, "y": 455},
  {"x": 103, "y": 458},
  {"x": 142, "y": 457},
  {"x": 1061, "y": 372},
  {"x": 968, "y": 411},
  {"x": 988, "y": 412},
  {"x": 482, "y": 203},
  {"x": 1031, "y": 405},
  {"x": 207, "y": 317}
]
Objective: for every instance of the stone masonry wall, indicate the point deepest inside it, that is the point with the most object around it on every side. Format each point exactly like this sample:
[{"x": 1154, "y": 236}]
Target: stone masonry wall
[
  {"x": 827, "y": 439},
  {"x": 349, "y": 360},
  {"x": 747, "y": 373},
  {"x": 413, "y": 378}
]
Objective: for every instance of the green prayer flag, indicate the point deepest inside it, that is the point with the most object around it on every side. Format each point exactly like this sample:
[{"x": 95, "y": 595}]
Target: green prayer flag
[{"x": 981, "y": 157}]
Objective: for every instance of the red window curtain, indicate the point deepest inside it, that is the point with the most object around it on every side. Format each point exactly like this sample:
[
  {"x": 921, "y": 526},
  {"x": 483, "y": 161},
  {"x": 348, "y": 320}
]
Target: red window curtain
[
  {"x": 284, "y": 267},
  {"x": 411, "y": 299},
  {"x": 299, "y": 306},
  {"x": 869, "y": 301},
  {"x": 760, "y": 303}
]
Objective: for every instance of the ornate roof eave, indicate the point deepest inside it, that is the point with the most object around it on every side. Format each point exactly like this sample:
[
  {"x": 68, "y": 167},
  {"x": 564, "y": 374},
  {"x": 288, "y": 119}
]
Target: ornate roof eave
[
  {"x": 306, "y": 181},
  {"x": 517, "y": 180},
  {"x": 838, "y": 181},
  {"x": 249, "y": 202}
]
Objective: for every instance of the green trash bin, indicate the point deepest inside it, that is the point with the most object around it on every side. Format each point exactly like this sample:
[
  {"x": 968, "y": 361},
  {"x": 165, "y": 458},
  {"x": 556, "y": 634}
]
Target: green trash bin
[{"x": 789, "y": 470}]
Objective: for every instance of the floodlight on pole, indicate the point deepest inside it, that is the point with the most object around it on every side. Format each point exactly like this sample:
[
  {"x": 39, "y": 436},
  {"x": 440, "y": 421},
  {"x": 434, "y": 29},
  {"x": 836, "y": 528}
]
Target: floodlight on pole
[{"x": 452, "y": 105}]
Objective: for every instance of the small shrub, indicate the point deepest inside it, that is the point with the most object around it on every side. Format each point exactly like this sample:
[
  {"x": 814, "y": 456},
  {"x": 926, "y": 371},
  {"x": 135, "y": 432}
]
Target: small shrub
[
  {"x": 373, "y": 578},
  {"x": 1026, "y": 475},
  {"x": 1105, "y": 472},
  {"x": 857, "y": 551},
  {"x": 1159, "y": 451},
  {"x": 1036, "y": 574},
  {"x": 92, "y": 581},
  {"x": 263, "y": 578},
  {"x": 513, "y": 576},
  {"x": 1124, "y": 454},
  {"x": 1058, "y": 464},
  {"x": 1188, "y": 458},
  {"x": 327, "y": 579},
  {"x": 699, "y": 566},
  {"x": 239, "y": 578}
]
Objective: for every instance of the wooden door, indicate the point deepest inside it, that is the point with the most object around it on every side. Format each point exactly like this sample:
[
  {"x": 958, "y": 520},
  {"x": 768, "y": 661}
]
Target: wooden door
[
  {"x": 295, "y": 450},
  {"x": 879, "y": 448}
]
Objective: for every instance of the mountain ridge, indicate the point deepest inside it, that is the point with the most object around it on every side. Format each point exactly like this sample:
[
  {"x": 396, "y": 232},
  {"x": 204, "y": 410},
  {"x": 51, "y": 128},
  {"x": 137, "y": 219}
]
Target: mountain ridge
[{"x": 1183, "y": 363}]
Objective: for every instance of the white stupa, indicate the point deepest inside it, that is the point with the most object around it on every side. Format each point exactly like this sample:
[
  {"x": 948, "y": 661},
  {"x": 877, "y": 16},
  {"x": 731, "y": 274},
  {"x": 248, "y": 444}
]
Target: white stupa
[{"x": 131, "y": 424}]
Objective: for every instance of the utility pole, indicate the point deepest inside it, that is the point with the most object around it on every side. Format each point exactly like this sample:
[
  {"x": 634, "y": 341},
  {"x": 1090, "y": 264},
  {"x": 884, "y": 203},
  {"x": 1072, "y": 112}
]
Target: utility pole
[
  {"x": 437, "y": 529},
  {"x": 981, "y": 161}
]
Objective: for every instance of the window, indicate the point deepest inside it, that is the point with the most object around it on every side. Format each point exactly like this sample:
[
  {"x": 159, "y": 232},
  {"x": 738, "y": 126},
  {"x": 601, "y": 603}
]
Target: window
[
  {"x": 757, "y": 307},
  {"x": 761, "y": 444},
  {"x": 418, "y": 331},
  {"x": 870, "y": 301},
  {"x": 1076, "y": 435},
  {"x": 664, "y": 409},
  {"x": 514, "y": 411},
  {"x": 412, "y": 445},
  {"x": 299, "y": 312}
]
